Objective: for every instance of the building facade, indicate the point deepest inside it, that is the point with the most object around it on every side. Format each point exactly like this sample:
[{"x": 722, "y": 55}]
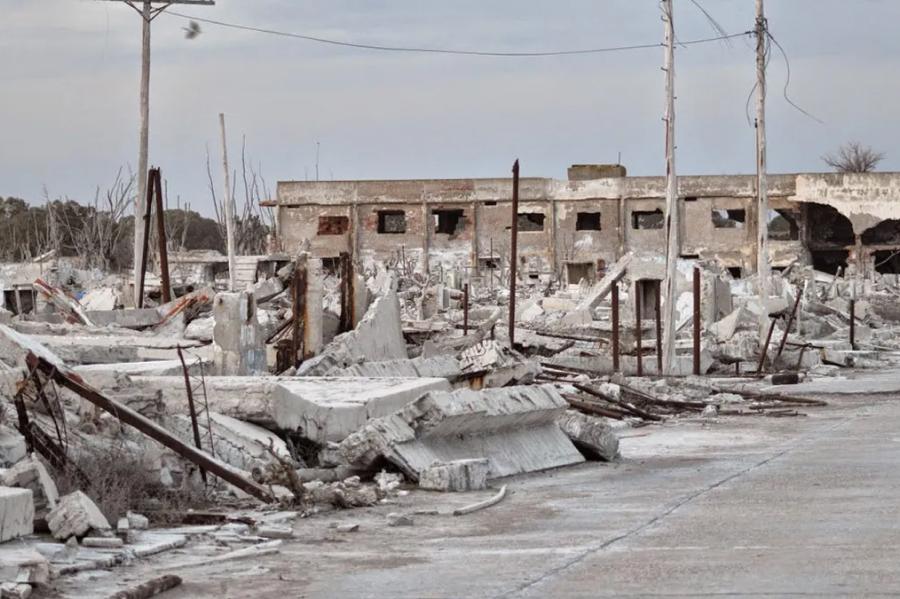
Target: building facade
[{"x": 573, "y": 228}]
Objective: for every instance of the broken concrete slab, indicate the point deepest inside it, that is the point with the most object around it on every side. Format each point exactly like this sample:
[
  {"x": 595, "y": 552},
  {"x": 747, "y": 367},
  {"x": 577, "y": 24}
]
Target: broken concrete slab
[
  {"x": 513, "y": 427},
  {"x": 135, "y": 318},
  {"x": 583, "y": 313},
  {"x": 16, "y": 513},
  {"x": 459, "y": 475},
  {"x": 23, "y": 565},
  {"x": 321, "y": 409},
  {"x": 75, "y": 516},
  {"x": 442, "y": 366},
  {"x": 503, "y": 365},
  {"x": 591, "y": 435},
  {"x": 377, "y": 337},
  {"x": 31, "y": 474},
  {"x": 239, "y": 345},
  {"x": 12, "y": 446}
]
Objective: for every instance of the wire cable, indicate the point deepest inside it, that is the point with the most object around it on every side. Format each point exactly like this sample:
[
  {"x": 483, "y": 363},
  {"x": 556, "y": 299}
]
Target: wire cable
[{"x": 423, "y": 50}]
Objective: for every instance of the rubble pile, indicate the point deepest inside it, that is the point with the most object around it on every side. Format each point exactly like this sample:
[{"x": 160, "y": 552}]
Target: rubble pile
[{"x": 312, "y": 389}]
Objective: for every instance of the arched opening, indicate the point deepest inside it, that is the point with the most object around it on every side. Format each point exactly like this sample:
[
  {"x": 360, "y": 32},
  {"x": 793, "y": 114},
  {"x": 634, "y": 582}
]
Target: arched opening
[
  {"x": 828, "y": 227},
  {"x": 887, "y": 232}
]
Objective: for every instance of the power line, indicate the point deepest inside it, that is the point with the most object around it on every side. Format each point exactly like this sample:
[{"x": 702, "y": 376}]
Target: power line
[{"x": 422, "y": 50}]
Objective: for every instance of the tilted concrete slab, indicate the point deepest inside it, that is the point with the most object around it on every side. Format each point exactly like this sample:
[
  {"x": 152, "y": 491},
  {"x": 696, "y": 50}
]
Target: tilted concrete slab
[
  {"x": 321, "y": 409},
  {"x": 442, "y": 366},
  {"x": 514, "y": 427},
  {"x": 150, "y": 368}
]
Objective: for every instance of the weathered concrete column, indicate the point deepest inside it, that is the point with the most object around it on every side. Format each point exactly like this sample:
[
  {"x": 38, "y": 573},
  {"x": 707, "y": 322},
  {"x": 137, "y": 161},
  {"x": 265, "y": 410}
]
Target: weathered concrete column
[{"x": 239, "y": 344}]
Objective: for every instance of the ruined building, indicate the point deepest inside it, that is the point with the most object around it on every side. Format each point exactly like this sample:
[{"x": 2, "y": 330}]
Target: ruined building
[{"x": 574, "y": 228}]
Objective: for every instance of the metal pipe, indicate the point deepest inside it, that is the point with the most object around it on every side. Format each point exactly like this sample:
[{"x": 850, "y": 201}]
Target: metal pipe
[
  {"x": 191, "y": 407},
  {"x": 615, "y": 326},
  {"x": 513, "y": 260},
  {"x": 696, "y": 321},
  {"x": 765, "y": 347},
  {"x": 637, "y": 326},
  {"x": 787, "y": 328},
  {"x": 852, "y": 324}
]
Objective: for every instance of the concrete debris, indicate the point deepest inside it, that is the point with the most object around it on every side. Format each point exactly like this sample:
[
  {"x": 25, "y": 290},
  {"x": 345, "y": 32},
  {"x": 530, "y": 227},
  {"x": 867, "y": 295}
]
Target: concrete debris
[
  {"x": 591, "y": 435},
  {"x": 238, "y": 342},
  {"x": 20, "y": 567},
  {"x": 513, "y": 427},
  {"x": 397, "y": 519},
  {"x": 16, "y": 513},
  {"x": 66, "y": 304},
  {"x": 30, "y": 473},
  {"x": 75, "y": 516},
  {"x": 12, "y": 446},
  {"x": 458, "y": 475},
  {"x": 502, "y": 366}
]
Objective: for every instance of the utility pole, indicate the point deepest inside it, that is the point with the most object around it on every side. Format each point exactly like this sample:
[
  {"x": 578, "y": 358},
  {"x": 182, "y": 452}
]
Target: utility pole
[
  {"x": 148, "y": 12},
  {"x": 673, "y": 243},
  {"x": 229, "y": 208},
  {"x": 513, "y": 253},
  {"x": 763, "y": 270}
]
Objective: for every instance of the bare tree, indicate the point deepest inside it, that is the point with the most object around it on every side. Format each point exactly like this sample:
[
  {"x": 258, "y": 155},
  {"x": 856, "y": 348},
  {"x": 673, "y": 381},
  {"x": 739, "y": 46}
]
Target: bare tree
[
  {"x": 853, "y": 157},
  {"x": 253, "y": 222}
]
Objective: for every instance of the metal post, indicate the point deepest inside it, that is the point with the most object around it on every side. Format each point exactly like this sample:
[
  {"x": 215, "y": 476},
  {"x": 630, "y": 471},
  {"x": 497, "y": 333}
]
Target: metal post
[
  {"x": 763, "y": 269},
  {"x": 161, "y": 238},
  {"x": 513, "y": 254},
  {"x": 787, "y": 327},
  {"x": 852, "y": 324},
  {"x": 765, "y": 347},
  {"x": 615, "y": 326},
  {"x": 191, "y": 407},
  {"x": 142, "y": 266},
  {"x": 696, "y": 321},
  {"x": 659, "y": 353},
  {"x": 347, "y": 294},
  {"x": 140, "y": 235},
  {"x": 298, "y": 330},
  {"x": 465, "y": 309},
  {"x": 637, "y": 327}
]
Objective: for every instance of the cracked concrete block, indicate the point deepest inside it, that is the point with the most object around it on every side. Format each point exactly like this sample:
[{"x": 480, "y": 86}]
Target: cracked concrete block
[
  {"x": 22, "y": 565},
  {"x": 12, "y": 447},
  {"x": 513, "y": 427},
  {"x": 239, "y": 345},
  {"x": 591, "y": 435},
  {"x": 16, "y": 513},
  {"x": 75, "y": 516},
  {"x": 459, "y": 475},
  {"x": 30, "y": 473}
]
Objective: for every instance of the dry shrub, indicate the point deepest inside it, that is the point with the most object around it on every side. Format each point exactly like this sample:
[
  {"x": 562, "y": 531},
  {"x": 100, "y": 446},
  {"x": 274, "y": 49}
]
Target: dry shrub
[{"x": 118, "y": 481}]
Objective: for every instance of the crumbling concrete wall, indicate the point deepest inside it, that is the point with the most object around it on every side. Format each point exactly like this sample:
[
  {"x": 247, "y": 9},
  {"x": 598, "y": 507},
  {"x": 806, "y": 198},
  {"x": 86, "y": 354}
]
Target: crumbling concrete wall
[{"x": 239, "y": 344}]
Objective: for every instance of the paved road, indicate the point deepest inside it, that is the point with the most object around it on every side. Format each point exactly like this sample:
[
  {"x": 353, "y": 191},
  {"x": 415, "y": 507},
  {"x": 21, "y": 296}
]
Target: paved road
[{"x": 744, "y": 507}]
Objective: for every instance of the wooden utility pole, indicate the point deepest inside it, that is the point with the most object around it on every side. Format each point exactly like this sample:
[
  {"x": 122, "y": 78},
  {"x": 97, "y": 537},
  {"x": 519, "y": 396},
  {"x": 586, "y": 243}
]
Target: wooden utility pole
[
  {"x": 673, "y": 242},
  {"x": 148, "y": 12},
  {"x": 513, "y": 254},
  {"x": 763, "y": 270},
  {"x": 229, "y": 208}
]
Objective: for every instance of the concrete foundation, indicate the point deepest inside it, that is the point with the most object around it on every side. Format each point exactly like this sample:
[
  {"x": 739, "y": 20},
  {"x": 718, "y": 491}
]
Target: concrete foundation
[{"x": 16, "y": 513}]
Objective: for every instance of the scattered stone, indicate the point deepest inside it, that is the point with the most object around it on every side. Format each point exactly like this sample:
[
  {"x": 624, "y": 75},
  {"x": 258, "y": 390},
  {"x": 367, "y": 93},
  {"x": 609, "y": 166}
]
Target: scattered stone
[
  {"x": 388, "y": 481},
  {"x": 16, "y": 514},
  {"x": 23, "y": 565},
  {"x": 31, "y": 473},
  {"x": 75, "y": 516},
  {"x": 458, "y": 475},
  {"x": 710, "y": 411},
  {"x": 347, "y": 527},
  {"x": 12, "y": 447},
  {"x": 396, "y": 519}
]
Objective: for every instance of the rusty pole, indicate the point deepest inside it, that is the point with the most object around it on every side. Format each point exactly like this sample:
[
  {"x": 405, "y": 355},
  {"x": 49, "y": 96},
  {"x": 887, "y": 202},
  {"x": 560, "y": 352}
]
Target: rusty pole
[
  {"x": 696, "y": 321},
  {"x": 853, "y": 324},
  {"x": 346, "y": 320},
  {"x": 298, "y": 330},
  {"x": 787, "y": 328},
  {"x": 513, "y": 254},
  {"x": 659, "y": 354},
  {"x": 148, "y": 203},
  {"x": 637, "y": 326},
  {"x": 465, "y": 309},
  {"x": 191, "y": 407},
  {"x": 615, "y": 326},
  {"x": 161, "y": 239},
  {"x": 765, "y": 347}
]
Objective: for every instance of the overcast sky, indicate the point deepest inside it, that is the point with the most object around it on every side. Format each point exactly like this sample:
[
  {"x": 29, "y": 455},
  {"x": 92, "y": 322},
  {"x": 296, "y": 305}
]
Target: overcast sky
[{"x": 70, "y": 72}]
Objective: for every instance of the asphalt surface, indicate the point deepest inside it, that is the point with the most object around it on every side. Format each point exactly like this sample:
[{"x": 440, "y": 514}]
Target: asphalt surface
[{"x": 738, "y": 507}]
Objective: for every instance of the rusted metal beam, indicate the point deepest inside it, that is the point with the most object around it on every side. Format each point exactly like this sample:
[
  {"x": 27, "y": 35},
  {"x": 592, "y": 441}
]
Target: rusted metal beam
[
  {"x": 765, "y": 347},
  {"x": 696, "y": 322},
  {"x": 787, "y": 328},
  {"x": 74, "y": 383},
  {"x": 852, "y": 324},
  {"x": 615, "y": 326},
  {"x": 658, "y": 307},
  {"x": 513, "y": 254},
  {"x": 346, "y": 321},
  {"x": 637, "y": 327},
  {"x": 161, "y": 238},
  {"x": 299, "y": 313},
  {"x": 195, "y": 426}
]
